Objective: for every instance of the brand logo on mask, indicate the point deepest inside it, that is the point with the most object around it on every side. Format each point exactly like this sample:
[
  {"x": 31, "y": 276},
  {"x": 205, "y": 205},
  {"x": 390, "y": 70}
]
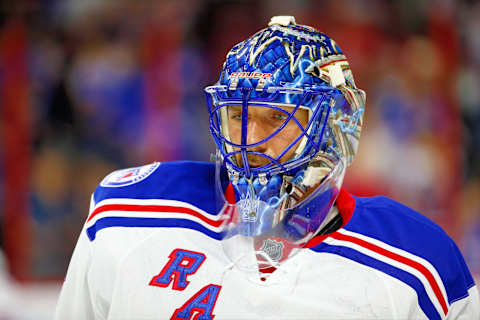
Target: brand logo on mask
[{"x": 249, "y": 75}]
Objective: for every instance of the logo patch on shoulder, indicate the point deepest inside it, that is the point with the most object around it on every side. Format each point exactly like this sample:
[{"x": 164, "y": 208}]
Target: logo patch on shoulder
[{"x": 126, "y": 177}]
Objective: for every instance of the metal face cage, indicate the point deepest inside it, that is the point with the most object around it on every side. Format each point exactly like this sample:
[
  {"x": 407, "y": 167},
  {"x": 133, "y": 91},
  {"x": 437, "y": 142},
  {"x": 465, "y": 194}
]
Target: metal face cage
[{"x": 318, "y": 100}]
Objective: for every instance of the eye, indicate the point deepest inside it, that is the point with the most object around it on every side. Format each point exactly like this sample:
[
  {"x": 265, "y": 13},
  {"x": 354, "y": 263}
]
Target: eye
[
  {"x": 236, "y": 116},
  {"x": 279, "y": 116}
]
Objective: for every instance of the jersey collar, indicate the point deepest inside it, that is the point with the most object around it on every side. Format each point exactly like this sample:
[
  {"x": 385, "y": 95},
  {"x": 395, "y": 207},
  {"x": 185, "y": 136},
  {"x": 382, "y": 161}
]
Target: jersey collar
[{"x": 346, "y": 206}]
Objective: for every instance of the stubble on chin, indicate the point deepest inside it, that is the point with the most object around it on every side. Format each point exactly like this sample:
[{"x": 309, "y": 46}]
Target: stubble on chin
[{"x": 254, "y": 160}]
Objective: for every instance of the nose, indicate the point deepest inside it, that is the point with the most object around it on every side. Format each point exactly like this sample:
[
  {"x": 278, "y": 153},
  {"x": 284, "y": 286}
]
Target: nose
[{"x": 255, "y": 133}]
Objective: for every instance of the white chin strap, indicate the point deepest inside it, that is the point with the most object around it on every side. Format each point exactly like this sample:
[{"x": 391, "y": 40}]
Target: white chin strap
[{"x": 313, "y": 175}]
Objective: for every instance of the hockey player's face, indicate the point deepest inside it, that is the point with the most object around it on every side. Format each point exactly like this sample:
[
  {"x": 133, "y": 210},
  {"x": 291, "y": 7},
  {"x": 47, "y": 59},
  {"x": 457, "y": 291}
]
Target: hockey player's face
[{"x": 262, "y": 122}]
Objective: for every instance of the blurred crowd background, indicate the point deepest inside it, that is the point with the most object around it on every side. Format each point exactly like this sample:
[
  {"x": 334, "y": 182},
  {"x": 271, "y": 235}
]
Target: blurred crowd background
[{"x": 90, "y": 86}]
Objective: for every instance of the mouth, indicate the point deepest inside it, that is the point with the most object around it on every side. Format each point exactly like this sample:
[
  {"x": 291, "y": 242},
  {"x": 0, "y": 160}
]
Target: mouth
[{"x": 254, "y": 161}]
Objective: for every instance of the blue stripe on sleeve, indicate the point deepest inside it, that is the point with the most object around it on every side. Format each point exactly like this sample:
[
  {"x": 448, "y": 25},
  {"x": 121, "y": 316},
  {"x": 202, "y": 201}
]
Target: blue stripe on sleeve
[{"x": 401, "y": 227}]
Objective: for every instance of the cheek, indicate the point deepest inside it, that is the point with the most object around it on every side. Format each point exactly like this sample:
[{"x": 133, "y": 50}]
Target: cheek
[
  {"x": 234, "y": 132},
  {"x": 290, "y": 132},
  {"x": 283, "y": 139}
]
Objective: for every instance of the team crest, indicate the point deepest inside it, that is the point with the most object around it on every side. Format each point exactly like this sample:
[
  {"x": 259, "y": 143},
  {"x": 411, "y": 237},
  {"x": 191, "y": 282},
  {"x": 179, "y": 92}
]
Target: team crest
[
  {"x": 274, "y": 249},
  {"x": 248, "y": 208},
  {"x": 126, "y": 177}
]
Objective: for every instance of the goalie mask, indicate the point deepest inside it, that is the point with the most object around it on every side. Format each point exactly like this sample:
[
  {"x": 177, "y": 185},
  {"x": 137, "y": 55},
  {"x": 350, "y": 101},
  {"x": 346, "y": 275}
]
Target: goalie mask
[{"x": 286, "y": 117}]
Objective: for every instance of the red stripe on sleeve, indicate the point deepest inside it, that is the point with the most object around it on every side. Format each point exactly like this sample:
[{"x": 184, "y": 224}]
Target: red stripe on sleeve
[
  {"x": 423, "y": 270},
  {"x": 153, "y": 208}
]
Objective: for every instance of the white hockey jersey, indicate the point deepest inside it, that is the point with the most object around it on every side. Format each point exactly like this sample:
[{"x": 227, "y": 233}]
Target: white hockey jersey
[{"x": 151, "y": 249}]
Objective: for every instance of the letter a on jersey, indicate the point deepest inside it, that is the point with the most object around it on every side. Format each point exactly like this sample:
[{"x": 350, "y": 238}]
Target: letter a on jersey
[
  {"x": 202, "y": 303},
  {"x": 181, "y": 264}
]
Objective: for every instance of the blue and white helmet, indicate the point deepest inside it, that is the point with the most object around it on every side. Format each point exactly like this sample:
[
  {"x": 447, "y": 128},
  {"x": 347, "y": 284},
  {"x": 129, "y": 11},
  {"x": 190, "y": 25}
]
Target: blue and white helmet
[{"x": 282, "y": 203}]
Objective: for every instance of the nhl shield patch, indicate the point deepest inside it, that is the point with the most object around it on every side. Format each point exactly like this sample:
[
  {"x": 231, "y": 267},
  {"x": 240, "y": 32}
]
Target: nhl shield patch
[
  {"x": 126, "y": 177},
  {"x": 274, "y": 249}
]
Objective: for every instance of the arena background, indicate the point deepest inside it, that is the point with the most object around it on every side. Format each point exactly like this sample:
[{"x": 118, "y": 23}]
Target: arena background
[{"x": 90, "y": 86}]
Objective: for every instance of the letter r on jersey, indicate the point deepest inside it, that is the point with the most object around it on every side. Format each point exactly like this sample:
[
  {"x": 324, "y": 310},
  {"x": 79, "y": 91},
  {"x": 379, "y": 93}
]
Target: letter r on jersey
[{"x": 181, "y": 264}]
